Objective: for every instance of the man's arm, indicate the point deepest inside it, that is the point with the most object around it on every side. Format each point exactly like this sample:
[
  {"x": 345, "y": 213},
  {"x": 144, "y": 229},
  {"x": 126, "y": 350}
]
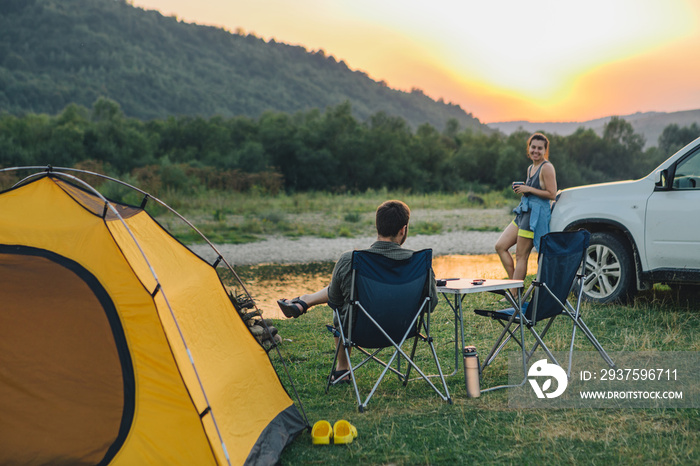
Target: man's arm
[{"x": 341, "y": 281}]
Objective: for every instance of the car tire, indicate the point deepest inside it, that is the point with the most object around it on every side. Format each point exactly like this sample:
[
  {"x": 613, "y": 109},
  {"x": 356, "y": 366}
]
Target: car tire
[{"x": 610, "y": 274}]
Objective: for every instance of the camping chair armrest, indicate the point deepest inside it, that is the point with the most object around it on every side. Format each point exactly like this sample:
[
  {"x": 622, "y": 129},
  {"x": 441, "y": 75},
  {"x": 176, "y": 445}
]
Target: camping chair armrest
[{"x": 530, "y": 289}]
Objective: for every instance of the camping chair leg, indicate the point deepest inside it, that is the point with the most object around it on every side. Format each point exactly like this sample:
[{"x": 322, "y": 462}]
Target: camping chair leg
[
  {"x": 342, "y": 343},
  {"x": 577, "y": 313},
  {"x": 398, "y": 353},
  {"x": 425, "y": 324},
  {"x": 335, "y": 360},
  {"x": 373, "y": 357},
  {"x": 387, "y": 366},
  {"x": 501, "y": 343},
  {"x": 352, "y": 376},
  {"x": 512, "y": 334},
  {"x": 497, "y": 346},
  {"x": 422, "y": 324},
  {"x": 379, "y": 380},
  {"x": 516, "y": 302},
  {"x": 446, "y": 396},
  {"x": 586, "y": 331},
  {"x": 413, "y": 353},
  {"x": 496, "y": 350},
  {"x": 537, "y": 343},
  {"x": 437, "y": 363},
  {"x": 398, "y": 369},
  {"x": 341, "y": 337},
  {"x": 544, "y": 347},
  {"x": 521, "y": 324},
  {"x": 353, "y": 380},
  {"x": 539, "y": 337}
]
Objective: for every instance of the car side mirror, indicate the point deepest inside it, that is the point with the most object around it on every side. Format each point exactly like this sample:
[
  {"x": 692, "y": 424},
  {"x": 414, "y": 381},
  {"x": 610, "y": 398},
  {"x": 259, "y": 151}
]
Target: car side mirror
[{"x": 660, "y": 177}]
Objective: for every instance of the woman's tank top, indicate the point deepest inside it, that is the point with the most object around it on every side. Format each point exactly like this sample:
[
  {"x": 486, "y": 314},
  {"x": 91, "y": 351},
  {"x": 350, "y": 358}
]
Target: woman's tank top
[{"x": 534, "y": 180}]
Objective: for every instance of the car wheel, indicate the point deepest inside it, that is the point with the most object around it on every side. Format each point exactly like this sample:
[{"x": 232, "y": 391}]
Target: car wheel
[{"x": 609, "y": 270}]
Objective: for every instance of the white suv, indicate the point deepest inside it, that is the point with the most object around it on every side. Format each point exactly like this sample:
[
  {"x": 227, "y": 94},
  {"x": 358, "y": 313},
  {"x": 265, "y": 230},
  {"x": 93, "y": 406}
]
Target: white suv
[{"x": 642, "y": 232}]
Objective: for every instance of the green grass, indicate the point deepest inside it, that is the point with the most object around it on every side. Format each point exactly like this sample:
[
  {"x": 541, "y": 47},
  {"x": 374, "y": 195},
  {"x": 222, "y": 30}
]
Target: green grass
[
  {"x": 411, "y": 425},
  {"x": 244, "y": 217}
]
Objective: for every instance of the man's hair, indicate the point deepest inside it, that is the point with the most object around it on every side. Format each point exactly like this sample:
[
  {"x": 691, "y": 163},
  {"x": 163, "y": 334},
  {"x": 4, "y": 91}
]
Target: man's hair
[{"x": 392, "y": 216}]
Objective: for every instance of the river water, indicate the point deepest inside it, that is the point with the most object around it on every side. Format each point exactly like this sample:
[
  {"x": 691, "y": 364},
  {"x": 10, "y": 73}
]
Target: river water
[{"x": 268, "y": 283}]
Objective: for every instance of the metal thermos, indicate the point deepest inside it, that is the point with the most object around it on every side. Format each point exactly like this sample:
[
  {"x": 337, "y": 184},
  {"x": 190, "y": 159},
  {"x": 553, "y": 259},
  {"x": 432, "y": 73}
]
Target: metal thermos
[{"x": 471, "y": 372}]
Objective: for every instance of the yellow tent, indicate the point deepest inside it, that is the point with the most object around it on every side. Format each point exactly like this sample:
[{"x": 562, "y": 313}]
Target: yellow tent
[{"x": 118, "y": 345}]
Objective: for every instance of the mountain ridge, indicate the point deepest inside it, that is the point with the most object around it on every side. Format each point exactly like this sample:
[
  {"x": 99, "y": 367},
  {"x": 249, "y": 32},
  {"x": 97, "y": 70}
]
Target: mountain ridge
[
  {"x": 53, "y": 53},
  {"x": 648, "y": 124}
]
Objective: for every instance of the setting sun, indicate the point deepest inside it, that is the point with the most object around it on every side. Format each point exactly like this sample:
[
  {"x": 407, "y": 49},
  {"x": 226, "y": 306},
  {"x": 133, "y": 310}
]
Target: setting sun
[{"x": 503, "y": 60}]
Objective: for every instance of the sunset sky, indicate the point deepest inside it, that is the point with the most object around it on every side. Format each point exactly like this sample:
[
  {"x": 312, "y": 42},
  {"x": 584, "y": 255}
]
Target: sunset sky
[{"x": 501, "y": 60}]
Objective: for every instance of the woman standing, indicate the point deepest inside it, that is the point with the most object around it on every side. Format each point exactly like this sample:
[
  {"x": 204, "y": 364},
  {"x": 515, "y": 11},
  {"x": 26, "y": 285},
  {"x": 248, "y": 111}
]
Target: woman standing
[{"x": 533, "y": 213}]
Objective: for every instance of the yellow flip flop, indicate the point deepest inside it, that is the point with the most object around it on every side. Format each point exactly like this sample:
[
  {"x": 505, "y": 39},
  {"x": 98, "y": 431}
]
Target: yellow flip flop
[
  {"x": 344, "y": 432},
  {"x": 321, "y": 433}
]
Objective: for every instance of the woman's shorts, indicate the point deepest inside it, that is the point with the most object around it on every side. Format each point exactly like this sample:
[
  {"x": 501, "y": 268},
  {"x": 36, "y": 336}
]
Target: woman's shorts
[{"x": 524, "y": 220}]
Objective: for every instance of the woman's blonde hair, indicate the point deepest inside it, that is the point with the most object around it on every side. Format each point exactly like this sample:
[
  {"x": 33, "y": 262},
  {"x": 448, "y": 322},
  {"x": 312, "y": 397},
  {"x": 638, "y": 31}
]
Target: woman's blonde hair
[{"x": 539, "y": 137}]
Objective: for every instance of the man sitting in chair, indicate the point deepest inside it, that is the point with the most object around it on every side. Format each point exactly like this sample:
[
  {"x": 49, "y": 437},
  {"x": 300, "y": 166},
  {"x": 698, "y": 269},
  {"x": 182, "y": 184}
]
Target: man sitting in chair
[{"x": 392, "y": 229}]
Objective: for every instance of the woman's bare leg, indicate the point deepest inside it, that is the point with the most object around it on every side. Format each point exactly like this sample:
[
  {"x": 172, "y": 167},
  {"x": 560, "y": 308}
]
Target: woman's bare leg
[
  {"x": 507, "y": 240},
  {"x": 522, "y": 255}
]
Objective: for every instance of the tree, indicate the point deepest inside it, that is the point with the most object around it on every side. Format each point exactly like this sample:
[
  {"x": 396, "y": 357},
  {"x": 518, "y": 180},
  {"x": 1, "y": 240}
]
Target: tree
[
  {"x": 116, "y": 140},
  {"x": 429, "y": 160},
  {"x": 388, "y": 151},
  {"x": 674, "y": 137},
  {"x": 579, "y": 158},
  {"x": 279, "y": 139},
  {"x": 105, "y": 109},
  {"x": 623, "y": 147}
]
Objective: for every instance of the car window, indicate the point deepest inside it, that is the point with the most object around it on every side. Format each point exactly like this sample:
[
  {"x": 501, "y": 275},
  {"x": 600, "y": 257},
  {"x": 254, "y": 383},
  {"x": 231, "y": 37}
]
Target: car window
[{"x": 687, "y": 174}]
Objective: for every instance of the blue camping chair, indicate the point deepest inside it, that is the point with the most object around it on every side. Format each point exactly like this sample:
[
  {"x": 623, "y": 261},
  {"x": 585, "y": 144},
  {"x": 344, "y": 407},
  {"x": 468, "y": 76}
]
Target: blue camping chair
[
  {"x": 560, "y": 265},
  {"x": 390, "y": 306}
]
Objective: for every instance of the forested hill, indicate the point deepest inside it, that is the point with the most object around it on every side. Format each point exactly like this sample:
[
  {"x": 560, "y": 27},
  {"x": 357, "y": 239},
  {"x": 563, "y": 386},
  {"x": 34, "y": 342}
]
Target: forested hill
[{"x": 56, "y": 52}]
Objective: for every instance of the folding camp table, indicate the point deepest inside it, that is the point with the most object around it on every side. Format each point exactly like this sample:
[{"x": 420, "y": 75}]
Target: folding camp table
[{"x": 460, "y": 288}]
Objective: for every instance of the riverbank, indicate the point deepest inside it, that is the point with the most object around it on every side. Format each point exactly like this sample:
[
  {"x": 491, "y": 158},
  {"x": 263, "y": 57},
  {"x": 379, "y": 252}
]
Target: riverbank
[
  {"x": 284, "y": 250},
  {"x": 463, "y": 232}
]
